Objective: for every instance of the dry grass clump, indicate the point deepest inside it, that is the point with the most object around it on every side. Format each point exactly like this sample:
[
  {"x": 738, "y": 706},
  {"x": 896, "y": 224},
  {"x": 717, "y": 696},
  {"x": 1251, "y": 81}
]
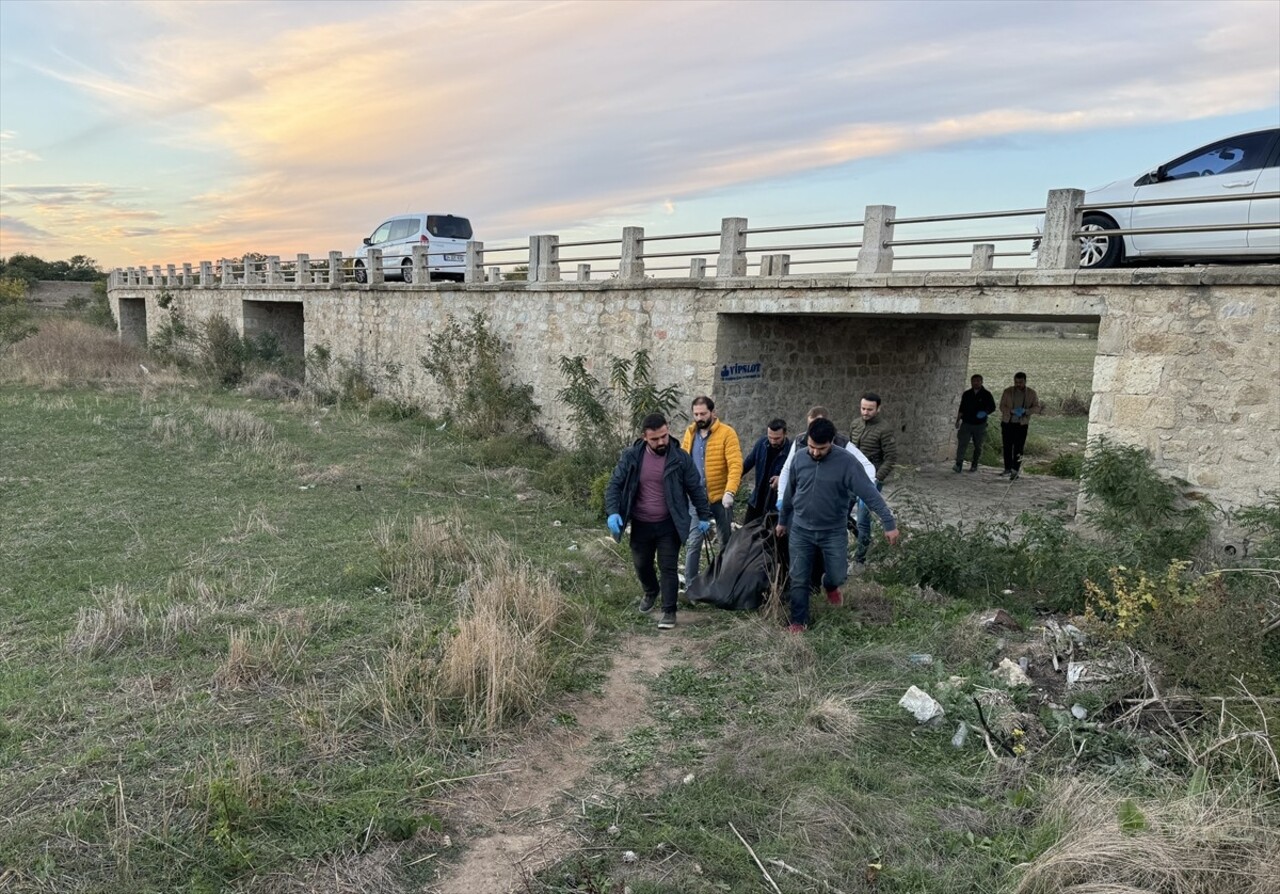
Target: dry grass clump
[
  {"x": 428, "y": 557},
  {"x": 104, "y": 628},
  {"x": 72, "y": 352},
  {"x": 239, "y": 427},
  {"x": 171, "y": 431},
  {"x": 255, "y": 656},
  {"x": 498, "y": 663},
  {"x": 272, "y": 386},
  {"x": 840, "y": 715},
  {"x": 1201, "y": 844}
]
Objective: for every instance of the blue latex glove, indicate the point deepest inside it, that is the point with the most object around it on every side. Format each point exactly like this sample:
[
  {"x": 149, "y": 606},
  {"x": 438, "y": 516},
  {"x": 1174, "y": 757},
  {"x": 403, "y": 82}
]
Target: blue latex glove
[
  {"x": 704, "y": 526},
  {"x": 779, "y": 507},
  {"x": 1019, "y": 412},
  {"x": 615, "y": 525},
  {"x": 982, "y": 414}
]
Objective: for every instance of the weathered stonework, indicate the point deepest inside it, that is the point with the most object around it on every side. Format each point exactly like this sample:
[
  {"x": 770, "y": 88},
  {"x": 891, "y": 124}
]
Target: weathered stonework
[{"x": 1188, "y": 361}]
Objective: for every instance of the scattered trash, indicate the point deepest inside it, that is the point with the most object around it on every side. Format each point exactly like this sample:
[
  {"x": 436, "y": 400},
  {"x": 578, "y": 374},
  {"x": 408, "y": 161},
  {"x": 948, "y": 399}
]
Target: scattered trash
[
  {"x": 688, "y": 780},
  {"x": 1024, "y": 663},
  {"x": 629, "y": 856},
  {"x": 1010, "y": 674},
  {"x": 1006, "y": 592},
  {"x": 1079, "y": 711},
  {"x": 962, "y": 733},
  {"x": 1090, "y": 672},
  {"x": 614, "y": 830},
  {"x": 922, "y": 705},
  {"x": 573, "y": 547},
  {"x": 924, "y": 659},
  {"x": 1077, "y": 635},
  {"x": 557, "y": 523},
  {"x": 999, "y": 618}
]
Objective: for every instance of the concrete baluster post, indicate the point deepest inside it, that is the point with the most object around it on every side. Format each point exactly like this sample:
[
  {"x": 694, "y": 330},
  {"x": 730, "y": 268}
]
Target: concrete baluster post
[
  {"x": 421, "y": 266},
  {"x": 631, "y": 265},
  {"x": 984, "y": 257},
  {"x": 876, "y": 255},
  {"x": 584, "y": 273},
  {"x": 698, "y": 268},
  {"x": 225, "y": 265},
  {"x": 1059, "y": 246},
  {"x": 302, "y": 273},
  {"x": 335, "y": 270},
  {"x": 733, "y": 248},
  {"x": 250, "y": 270},
  {"x": 475, "y": 262},
  {"x": 274, "y": 275},
  {"x": 534, "y": 246},
  {"x": 376, "y": 277},
  {"x": 128, "y": 276},
  {"x": 206, "y": 274},
  {"x": 170, "y": 275},
  {"x": 495, "y": 274},
  {"x": 548, "y": 259},
  {"x": 186, "y": 274},
  {"x": 157, "y": 278},
  {"x": 775, "y": 265}
]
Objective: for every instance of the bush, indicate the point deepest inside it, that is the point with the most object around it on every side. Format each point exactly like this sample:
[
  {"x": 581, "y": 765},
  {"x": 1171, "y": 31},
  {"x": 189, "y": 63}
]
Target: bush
[
  {"x": 223, "y": 353},
  {"x": 15, "y": 316},
  {"x": 467, "y": 361},
  {"x": 611, "y": 415},
  {"x": 1066, "y": 465},
  {"x": 1075, "y": 405},
  {"x": 986, "y": 328}
]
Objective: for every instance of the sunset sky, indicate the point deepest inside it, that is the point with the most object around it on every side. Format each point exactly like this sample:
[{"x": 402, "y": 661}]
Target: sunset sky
[{"x": 157, "y": 132}]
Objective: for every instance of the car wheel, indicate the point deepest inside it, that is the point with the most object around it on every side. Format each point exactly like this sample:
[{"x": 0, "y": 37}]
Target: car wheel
[
  {"x": 362, "y": 275},
  {"x": 406, "y": 271},
  {"x": 1099, "y": 251}
]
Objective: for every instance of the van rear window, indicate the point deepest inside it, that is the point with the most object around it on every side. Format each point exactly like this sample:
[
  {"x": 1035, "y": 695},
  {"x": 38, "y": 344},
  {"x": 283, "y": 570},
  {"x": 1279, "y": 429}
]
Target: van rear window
[{"x": 446, "y": 226}]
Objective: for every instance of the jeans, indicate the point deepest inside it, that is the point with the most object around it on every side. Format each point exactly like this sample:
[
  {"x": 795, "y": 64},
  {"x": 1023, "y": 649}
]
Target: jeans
[
  {"x": 724, "y": 520},
  {"x": 977, "y": 433},
  {"x": 1014, "y": 436},
  {"x": 803, "y": 544},
  {"x": 864, "y": 529},
  {"x": 660, "y": 538}
]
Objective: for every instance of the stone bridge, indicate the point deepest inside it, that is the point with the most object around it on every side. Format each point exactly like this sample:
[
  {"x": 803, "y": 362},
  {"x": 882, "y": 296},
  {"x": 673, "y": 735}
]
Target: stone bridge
[{"x": 1188, "y": 362}]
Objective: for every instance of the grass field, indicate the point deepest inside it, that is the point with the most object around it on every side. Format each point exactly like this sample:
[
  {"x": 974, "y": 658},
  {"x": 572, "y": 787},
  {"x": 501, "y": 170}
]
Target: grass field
[{"x": 263, "y": 646}]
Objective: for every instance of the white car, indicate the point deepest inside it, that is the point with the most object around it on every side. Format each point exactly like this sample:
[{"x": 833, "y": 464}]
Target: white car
[
  {"x": 443, "y": 235},
  {"x": 1244, "y": 164}
]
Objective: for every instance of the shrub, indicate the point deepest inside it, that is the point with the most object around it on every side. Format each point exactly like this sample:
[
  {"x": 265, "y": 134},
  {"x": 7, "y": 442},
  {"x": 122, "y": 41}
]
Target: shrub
[
  {"x": 15, "y": 316},
  {"x": 986, "y": 328},
  {"x": 1075, "y": 405},
  {"x": 1066, "y": 465},
  {"x": 468, "y": 363},
  {"x": 610, "y": 416},
  {"x": 222, "y": 352}
]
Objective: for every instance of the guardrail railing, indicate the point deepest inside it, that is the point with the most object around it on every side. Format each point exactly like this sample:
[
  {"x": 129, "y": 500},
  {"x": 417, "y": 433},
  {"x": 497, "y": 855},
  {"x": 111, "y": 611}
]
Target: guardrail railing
[{"x": 867, "y": 246}]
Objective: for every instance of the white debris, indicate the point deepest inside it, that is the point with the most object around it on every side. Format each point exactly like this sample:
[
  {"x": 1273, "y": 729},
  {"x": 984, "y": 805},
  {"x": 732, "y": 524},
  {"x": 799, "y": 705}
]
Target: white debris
[
  {"x": 630, "y": 856},
  {"x": 1079, "y": 711},
  {"x": 1010, "y": 674},
  {"x": 962, "y": 733},
  {"x": 922, "y": 705},
  {"x": 688, "y": 780},
  {"x": 613, "y": 830}
]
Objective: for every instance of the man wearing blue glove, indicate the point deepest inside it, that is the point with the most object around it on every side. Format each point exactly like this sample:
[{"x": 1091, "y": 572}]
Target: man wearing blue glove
[
  {"x": 1017, "y": 404},
  {"x": 652, "y": 487},
  {"x": 815, "y": 508},
  {"x": 976, "y": 405}
]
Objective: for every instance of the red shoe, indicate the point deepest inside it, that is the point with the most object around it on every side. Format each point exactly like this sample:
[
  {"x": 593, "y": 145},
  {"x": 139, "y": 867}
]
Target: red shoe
[
  {"x": 835, "y": 597},
  {"x": 797, "y": 628}
]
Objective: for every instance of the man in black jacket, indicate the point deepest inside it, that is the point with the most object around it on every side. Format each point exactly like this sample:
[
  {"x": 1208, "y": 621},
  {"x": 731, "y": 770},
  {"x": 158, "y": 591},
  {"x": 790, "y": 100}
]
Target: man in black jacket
[
  {"x": 767, "y": 458},
  {"x": 652, "y": 487},
  {"x": 976, "y": 405}
]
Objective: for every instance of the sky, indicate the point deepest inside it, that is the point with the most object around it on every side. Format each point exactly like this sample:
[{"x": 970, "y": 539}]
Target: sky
[{"x": 166, "y": 132}]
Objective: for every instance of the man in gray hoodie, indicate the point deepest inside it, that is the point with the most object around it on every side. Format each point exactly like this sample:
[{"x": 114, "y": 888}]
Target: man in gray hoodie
[{"x": 823, "y": 485}]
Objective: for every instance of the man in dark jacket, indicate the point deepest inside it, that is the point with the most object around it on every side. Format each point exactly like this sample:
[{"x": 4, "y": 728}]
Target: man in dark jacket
[
  {"x": 767, "y": 458},
  {"x": 976, "y": 406},
  {"x": 872, "y": 435},
  {"x": 820, "y": 490},
  {"x": 652, "y": 487}
]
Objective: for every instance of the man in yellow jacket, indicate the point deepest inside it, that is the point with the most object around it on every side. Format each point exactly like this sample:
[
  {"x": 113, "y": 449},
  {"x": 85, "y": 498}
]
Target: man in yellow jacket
[{"x": 718, "y": 455}]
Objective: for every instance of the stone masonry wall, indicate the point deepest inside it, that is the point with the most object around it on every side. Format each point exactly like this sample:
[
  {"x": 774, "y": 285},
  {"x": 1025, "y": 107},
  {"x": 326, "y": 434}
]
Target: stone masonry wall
[
  {"x": 913, "y": 364},
  {"x": 1193, "y": 375}
]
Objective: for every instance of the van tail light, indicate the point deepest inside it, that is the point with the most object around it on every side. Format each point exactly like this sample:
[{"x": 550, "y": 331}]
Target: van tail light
[{"x": 423, "y": 240}]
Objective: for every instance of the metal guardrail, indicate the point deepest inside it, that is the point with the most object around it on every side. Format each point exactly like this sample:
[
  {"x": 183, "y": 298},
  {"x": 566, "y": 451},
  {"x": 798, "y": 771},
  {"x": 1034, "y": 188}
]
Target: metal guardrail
[{"x": 732, "y": 254}]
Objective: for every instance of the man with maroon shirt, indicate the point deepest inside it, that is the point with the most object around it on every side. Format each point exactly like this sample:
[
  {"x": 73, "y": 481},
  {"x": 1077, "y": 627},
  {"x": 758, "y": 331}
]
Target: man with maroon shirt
[{"x": 652, "y": 487}]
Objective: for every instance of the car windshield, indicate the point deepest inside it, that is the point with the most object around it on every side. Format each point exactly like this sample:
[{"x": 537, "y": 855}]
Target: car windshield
[{"x": 446, "y": 226}]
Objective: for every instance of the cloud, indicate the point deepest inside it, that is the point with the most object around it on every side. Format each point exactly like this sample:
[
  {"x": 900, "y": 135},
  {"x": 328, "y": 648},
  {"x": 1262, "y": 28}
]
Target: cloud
[{"x": 548, "y": 116}]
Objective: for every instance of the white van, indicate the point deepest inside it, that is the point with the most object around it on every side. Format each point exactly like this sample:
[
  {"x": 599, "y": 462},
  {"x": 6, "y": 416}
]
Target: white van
[{"x": 443, "y": 235}]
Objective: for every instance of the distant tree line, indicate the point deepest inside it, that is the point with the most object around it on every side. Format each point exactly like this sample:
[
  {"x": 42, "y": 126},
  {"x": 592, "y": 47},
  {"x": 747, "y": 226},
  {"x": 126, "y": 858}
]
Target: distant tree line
[{"x": 29, "y": 269}]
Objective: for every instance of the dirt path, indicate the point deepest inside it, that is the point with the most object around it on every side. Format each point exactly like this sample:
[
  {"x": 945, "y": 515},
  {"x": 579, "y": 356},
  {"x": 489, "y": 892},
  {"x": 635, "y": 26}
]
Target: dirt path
[
  {"x": 517, "y": 821},
  {"x": 933, "y": 495}
]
